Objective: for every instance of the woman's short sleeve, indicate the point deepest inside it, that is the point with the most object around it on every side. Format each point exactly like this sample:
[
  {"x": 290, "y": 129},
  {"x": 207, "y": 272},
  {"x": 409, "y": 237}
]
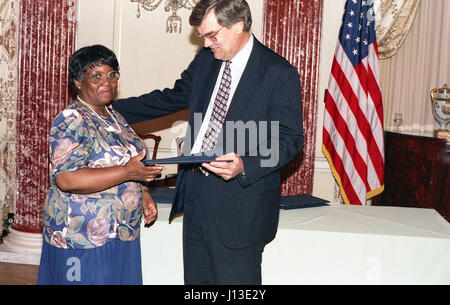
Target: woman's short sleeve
[{"x": 70, "y": 143}]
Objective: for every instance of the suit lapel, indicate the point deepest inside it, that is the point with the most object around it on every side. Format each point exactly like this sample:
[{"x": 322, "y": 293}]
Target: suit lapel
[
  {"x": 247, "y": 84},
  {"x": 208, "y": 87}
]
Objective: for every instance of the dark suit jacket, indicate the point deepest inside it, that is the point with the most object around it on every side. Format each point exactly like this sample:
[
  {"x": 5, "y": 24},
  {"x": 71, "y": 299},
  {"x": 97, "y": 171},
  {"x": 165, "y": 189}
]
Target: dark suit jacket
[{"x": 247, "y": 207}]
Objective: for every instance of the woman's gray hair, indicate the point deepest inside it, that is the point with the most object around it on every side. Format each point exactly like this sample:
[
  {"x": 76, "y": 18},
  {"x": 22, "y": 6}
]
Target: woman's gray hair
[{"x": 228, "y": 12}]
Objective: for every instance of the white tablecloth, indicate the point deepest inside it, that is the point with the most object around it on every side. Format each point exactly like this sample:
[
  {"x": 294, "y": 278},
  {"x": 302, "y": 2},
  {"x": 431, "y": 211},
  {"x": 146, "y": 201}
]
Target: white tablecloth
[{"x": 327, "y": 245}]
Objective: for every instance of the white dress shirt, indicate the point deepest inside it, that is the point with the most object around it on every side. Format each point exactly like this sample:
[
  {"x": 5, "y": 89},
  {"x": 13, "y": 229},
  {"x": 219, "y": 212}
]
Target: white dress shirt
[{"x": 237, "y": 66}]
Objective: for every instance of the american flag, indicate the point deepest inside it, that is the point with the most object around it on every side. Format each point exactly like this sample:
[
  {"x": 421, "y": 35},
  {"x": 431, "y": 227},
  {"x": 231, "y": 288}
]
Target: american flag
[{"x": 353, "y": 139}]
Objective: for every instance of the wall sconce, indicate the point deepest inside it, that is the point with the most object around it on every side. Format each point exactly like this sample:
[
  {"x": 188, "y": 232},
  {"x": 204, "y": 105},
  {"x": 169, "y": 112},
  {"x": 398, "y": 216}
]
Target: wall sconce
[{"x": 173, "y": 23}]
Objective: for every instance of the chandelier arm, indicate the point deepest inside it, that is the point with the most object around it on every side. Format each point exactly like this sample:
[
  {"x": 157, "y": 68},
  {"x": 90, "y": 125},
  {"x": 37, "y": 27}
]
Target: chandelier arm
[
  {"x": 173, "y": 23},
  {"x": 175, "y": 4},
  {"x": 148, "y": 5}
]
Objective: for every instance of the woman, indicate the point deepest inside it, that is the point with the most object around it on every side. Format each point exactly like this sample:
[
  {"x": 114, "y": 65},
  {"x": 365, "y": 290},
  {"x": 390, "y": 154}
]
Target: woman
[{"x": 94, "y": 204}]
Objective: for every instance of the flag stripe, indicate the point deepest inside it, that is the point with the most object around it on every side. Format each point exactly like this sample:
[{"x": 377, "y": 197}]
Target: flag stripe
[
  {"x": 353, "y": 121},
  {"x": 337, "y": 167},
  {"x": 351, "y": 179},
  {"x": 376, "y": 146},
  {"x": 350, "y": 145}
]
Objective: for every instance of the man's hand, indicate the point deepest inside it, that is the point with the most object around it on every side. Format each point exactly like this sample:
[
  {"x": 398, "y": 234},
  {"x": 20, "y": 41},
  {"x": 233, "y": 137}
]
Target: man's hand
[{"x": 226, "y": 170}]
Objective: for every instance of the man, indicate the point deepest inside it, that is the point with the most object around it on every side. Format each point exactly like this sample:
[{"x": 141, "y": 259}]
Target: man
[{"x": 231, "y": 209}]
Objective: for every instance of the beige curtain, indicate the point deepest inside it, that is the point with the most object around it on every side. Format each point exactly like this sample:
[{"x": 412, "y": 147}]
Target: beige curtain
[
  {"x": 393, "y": 22},
  {"x": 9, "y": 16},
  {"x": 421, "y": 64}
]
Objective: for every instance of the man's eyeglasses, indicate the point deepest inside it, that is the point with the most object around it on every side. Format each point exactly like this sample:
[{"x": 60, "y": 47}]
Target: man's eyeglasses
[
  {"x": 98, "y": 77},
  {"x": 211, "y": 35}
]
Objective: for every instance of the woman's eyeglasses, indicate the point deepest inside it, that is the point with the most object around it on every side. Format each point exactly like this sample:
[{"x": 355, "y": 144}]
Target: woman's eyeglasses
[{"x": 98, "y": 77}]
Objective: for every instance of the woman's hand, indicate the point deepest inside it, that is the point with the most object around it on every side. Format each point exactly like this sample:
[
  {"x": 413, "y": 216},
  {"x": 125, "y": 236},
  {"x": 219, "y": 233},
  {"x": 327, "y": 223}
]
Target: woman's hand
[
  {"x": 89, "y": 180},
  {"x": 137, "y": 171},
  {"x": 149, "y": 208}
]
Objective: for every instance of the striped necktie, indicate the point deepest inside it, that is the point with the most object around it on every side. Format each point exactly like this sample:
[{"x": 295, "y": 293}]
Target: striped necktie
[{"x": 219, "y": 111}]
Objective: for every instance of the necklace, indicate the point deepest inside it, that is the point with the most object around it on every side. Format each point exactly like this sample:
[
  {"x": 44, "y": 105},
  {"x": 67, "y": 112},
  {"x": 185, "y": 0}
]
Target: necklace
[{"x": 110, "y": 127}]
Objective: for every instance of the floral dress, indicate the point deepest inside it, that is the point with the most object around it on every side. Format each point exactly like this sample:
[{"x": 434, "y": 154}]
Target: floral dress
[{"x": 80, "y": 139}]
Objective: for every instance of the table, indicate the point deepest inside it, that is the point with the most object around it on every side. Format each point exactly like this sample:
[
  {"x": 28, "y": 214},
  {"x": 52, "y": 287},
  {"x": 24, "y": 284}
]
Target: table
[{"x": 327, "y": 245}]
